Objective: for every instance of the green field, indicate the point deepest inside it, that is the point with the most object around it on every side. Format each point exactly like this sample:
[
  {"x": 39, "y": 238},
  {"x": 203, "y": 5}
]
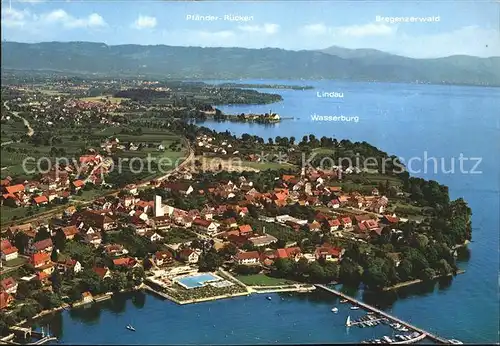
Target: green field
[
  {"x": 262, "y": 166},
  {"x": 263, "y": 280}
]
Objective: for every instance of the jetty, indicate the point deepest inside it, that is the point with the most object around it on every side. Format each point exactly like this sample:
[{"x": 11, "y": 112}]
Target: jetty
[{"x": 431, "y": 336}]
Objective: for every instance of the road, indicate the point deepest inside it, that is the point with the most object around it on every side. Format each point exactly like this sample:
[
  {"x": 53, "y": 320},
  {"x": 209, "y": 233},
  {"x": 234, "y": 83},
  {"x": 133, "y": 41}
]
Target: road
[{"x": 30, "y": 132}]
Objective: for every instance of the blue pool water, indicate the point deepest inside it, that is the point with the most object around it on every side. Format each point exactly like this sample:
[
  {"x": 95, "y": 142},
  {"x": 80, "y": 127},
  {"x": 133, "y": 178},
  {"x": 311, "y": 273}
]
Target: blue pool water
[{"x": 198, "y": 280}]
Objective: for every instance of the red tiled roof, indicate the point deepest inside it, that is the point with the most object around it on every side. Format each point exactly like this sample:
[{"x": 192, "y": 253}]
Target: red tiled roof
[
  {"x": 10, "y": 250},
  {"x": 40, "y": 199},
  {"x": 346, "y": 220},
  {"x": 281, "y": 253},
  {"x": 292, "y": 251},
  {"x": 100, "y": 271},
  {"x": 126, "y": 261},
  {"x": 70, "y": 230},
  {"x": 14, "y": 188},
  {"x": 163, "y": 255},
  {"x": 245, "y": 228},
  {"x": 186, "y": 253},
  {"x": 371, "y": 224},
  {"x": 247, "y": 255},
  {"x": 5, "y": 299},
  {"x": 43, "y": 244},
  {"x": 5, "y": 244},
  {"x": 40, "y": 258},
  {"x": 8, "y": 283},
  {"x": 78, "y": 183},
  {"x": 334, "y": 222},
  {"x": 201, "y": 222},
  {"x": 391, "y": 219}
]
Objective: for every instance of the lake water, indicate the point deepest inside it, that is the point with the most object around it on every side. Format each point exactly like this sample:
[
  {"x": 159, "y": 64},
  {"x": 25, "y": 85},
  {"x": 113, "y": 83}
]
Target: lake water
[{"x": 404, "y": 120}]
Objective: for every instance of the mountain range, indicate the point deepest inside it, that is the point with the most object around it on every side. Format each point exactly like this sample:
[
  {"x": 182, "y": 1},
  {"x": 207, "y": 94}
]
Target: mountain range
[{"x": 241, "y": 63}]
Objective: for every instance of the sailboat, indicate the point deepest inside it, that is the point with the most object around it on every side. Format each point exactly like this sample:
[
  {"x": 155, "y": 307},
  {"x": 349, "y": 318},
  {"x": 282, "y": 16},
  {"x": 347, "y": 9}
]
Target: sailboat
[
  {"x": 129, "y": 327},
  {"x": 348, "y": 322}
]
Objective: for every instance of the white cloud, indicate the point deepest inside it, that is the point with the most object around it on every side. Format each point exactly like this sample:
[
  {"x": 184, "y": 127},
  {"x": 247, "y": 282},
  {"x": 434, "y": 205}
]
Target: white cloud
[
  {"x": 12, "y": 18},
  {"x": 370, "y": 29},
  {"x": 63, "y": 18},
  {"x": 26, "y": 20},
  {"x": 265, "y": 29},
  {"x": 144, "y": 22}
]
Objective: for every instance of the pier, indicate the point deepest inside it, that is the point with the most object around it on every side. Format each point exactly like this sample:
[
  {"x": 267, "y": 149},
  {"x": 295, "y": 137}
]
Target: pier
[{"x": 382, "y": 313}]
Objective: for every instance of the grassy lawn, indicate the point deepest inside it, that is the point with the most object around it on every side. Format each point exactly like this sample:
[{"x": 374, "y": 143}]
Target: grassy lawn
[
  {"x": 88, "y": 195},
  {"x": 15, "y": 262},
  {"x": 7, "y": 213},
  {"x": 267, "y": 165},
  {"x": 263, "y": 280}
]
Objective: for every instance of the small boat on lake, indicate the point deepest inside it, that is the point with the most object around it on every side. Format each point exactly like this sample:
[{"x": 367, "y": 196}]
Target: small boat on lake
[
  {"x": 343, "y": 301},
  {"x": 354, "y": 307},
  {"x": 269, "y": 298},
  {"x": 455, "y": 342},
  {"x": 129, "y": 327},
  {"x": 348, "y": 321},
  {"x": 335, "y": 310}
]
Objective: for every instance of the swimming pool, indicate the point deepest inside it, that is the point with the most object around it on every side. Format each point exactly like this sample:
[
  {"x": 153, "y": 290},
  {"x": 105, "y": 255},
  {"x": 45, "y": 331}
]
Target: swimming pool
[{"x": 197, "y": 280}]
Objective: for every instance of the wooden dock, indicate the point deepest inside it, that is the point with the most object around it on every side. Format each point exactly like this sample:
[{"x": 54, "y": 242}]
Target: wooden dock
[{"x": 385, "y": 314}]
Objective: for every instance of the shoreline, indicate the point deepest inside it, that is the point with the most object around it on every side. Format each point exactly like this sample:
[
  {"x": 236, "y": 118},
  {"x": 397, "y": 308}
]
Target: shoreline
[{"x": 417, "y": 281}]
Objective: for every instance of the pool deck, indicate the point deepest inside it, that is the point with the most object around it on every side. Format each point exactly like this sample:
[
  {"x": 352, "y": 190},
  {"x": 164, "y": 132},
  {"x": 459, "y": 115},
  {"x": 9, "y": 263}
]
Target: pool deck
[{"x": 193, "y": 283}]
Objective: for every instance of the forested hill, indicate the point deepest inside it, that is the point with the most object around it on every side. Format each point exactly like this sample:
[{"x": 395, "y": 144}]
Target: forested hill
[{"x": 236, "y": 63}]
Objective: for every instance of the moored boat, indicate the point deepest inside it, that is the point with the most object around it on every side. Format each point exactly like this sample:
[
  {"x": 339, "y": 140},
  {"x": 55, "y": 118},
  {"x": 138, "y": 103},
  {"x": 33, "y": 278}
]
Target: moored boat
[{"x": 348, "y": 321}]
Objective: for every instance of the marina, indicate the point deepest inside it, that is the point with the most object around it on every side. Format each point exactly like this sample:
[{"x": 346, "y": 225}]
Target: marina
[{"x": 396, "y": 322}]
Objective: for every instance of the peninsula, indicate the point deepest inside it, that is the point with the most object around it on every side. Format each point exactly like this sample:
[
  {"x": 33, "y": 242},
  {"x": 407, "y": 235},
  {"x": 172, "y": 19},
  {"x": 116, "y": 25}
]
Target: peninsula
[{"x": 209, "y": 215}]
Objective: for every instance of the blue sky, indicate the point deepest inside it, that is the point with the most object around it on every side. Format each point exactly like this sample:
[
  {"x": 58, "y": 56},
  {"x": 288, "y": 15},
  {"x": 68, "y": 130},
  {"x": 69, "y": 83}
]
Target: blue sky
[{"x": 464, "y": 27}]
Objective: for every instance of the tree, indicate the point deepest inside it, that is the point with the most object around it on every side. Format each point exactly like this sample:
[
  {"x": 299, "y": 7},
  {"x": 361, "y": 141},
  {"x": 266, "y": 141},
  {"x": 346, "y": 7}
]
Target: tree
[
  {"x": 376, "y": 275},
  {"x": 444, "y": 267},
  {"x": 56, "y": 281},
  {"x": 210, "y": 261},
  {"x": 24, "y": 291},
  {"x": 54, "y": 255},
  {"x": 27, "y": 311},
  {"x": 316, "y": 272},
  {"x": 282, "y": 267},
  {"x": 427, "y": 274},
  {"x": 228, "y": 251},
  {"x": 90, "y": 281},
  {"x": 405, "y": 270},
  {"x": 59, "y": 239},
  {"x": 332, "y": 270},
  {"x": 42, "y": 234},
  {"x": 119, "y": 281},
  {"x": 350, "y": 271},
  {"x": 21, "y": 241}
]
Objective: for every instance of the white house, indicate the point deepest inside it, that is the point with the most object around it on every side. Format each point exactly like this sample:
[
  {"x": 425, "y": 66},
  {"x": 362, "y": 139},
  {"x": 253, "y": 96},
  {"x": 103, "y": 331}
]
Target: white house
[
  {"x": 247, "y": 258},
  {"x": 189, "y": 256}
]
